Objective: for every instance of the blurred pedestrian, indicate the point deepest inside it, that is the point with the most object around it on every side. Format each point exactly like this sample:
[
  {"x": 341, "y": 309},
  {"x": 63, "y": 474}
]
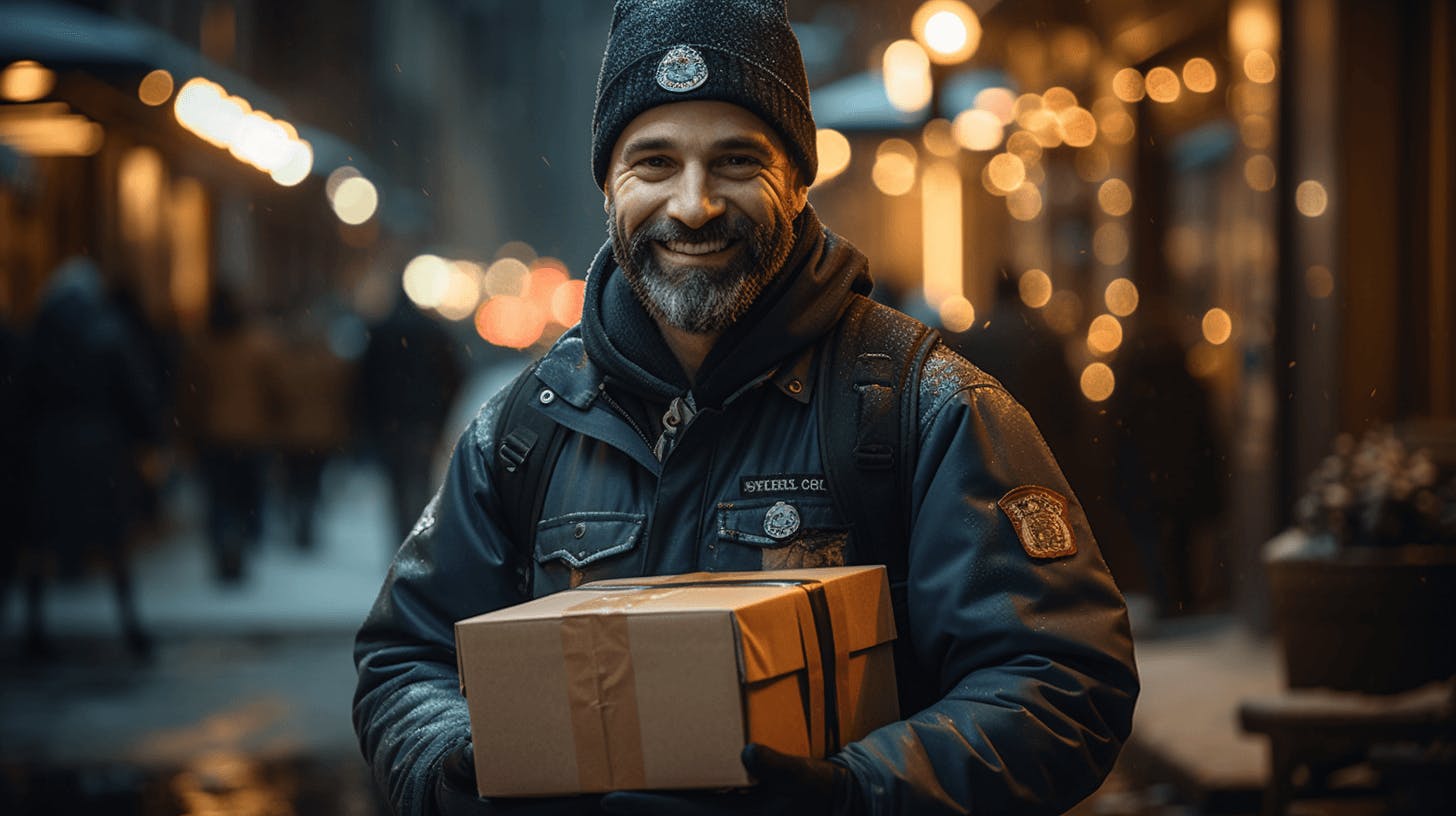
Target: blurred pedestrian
[
  {"x": 233, "y": 407},
  {"x": 314, "y": 387},
  {"x": 12, "y": 475},
  {"x": 1170, "y": 460},
  {"x": 88, "y": 409},
  {"x": 407, "y": 381}
]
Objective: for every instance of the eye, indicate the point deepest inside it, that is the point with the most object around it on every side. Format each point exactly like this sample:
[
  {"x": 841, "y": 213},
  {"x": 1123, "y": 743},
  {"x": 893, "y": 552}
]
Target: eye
[{"x": 740, "y": 165}]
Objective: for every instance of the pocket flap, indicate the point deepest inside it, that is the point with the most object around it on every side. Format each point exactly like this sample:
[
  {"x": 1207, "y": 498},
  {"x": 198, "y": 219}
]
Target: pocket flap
[
  {"x": 579, "y": 539},
  {"x": 762, "y": 522}
]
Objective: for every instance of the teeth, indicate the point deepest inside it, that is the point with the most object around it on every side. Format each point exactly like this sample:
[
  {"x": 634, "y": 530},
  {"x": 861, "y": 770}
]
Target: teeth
[{"x": 686, "y": 248}]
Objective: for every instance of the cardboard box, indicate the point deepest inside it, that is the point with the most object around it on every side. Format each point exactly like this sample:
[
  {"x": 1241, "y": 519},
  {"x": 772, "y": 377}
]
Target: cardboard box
[{"x": 658, "y": 683}]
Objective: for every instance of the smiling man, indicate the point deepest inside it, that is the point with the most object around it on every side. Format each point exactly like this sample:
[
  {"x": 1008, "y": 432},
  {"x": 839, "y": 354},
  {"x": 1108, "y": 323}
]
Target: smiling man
[{"x": 732, "y": 401}]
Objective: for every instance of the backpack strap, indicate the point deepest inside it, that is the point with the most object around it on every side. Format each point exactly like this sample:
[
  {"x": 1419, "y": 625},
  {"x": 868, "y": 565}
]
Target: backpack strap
[
  {"x": 868, "y": 429},
  {"x": 529, "y": 443}
]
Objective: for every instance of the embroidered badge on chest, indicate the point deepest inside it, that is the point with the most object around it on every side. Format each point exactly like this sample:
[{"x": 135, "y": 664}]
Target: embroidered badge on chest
[
  {"x": 1040, "y": 518},
  {"x": 781, "y": 521},
  {"x": 682, "y": 69}
]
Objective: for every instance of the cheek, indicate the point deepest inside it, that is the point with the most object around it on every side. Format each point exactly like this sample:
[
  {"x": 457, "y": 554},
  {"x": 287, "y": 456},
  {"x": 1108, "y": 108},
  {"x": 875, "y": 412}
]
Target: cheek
[{"x": 634, "y": 206}]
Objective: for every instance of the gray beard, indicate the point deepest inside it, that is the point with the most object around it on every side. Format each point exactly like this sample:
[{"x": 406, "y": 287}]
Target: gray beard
[{"x": 702, "y": 300}]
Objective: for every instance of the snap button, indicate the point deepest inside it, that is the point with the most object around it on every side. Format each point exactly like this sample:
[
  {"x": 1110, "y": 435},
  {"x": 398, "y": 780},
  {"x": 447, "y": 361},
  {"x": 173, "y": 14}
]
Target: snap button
[
  {"x": 547, "y": 396},
  {"x": 579, "y": 531},
  {"x": 795, "y": 387}
]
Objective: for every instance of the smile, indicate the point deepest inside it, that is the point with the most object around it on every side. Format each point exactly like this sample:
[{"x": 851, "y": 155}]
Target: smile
[{"x": 696, "y": 249}]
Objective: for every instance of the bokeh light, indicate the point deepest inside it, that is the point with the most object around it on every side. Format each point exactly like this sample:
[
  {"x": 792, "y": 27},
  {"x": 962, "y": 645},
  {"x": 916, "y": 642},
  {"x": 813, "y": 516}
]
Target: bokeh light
[
  {"x": 1098, "y": 382},
  {"x": 1199, "y": 75},
  {"x": 834, "y": 154},
  {"x": 1163, "y": 85},
  {"x": 1311, "y": 199},
  {"x": 1079, "y": 127},
  {"x": 507, "y": 276},
  {"x": 977, "y": 129},
  {"x": 510, "y": 321},
  {"x": 1218, "y": 327},
  {"x": 939, "y": 139},
  {"x": 1025, "y": 202},
  {"x": 1121, "y": 297},
  {"x": 26, "y": 81},
  {"x": 1259, "y": 173},
  {"x": 1035, "y": 288},
  {"x": 1256, "y": 131},
  {"x": 567, "y": 301},
  {"x": 1006, "y": 172},
  {"x": 1064, "y": 312},
  {"x": 907, "y": 76},
  {"x": 426, "y": 280},
  {"x": 1115, "y": 197},
  {"x": 949, "y": 30},
  {"x": 1128, "y": 85},
  {"x": 1104, "y": 335},
  {"x": 957, "y": 314},
  {"x": 462, "y": 291},
  {"x": 894, "y": 170},
  {"x": 1058, "y": 99},
  {"x": 520, "y": 250},
  {"x": 999, "y": 101},
  {"x": 355, "y": 200},
  {"x": 1259, "y": 66},
  {"x": 155, "y": 88},
  {"x": 1110, "y": 244},
  {"x": 1024, "y": 146},
  {"x": 1093, "y": 164},
  {"x": 1203, "y": 360}
]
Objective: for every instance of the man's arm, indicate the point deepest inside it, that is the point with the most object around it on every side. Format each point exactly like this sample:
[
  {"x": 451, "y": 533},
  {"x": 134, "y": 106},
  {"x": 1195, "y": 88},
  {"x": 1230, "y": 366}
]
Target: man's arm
[
  {"x": 1033, "y": 656},
  {"x": 408, "y": 710}
]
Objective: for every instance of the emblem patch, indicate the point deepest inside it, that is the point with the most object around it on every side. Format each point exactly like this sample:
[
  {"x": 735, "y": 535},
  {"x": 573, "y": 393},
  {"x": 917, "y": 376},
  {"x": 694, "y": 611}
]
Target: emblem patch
[
  {"x": 781, "y": 521},
  {"x": 1040, "y": 518},
  {"x": 783, "y": 484},
  {"x": 682, "y": 69}
]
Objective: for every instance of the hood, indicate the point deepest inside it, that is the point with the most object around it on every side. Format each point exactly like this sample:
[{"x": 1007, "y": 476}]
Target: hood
[{"x": 822, "y": 273}]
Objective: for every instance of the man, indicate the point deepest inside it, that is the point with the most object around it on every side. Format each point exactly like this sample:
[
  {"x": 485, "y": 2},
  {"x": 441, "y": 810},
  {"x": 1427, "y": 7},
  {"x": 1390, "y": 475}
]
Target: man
[{"x": 686, "y": 388}]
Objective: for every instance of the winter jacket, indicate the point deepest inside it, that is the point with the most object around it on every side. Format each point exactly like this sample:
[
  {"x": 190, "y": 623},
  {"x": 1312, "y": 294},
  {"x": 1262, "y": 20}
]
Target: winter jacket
[{"x": 1031, "y": 658}]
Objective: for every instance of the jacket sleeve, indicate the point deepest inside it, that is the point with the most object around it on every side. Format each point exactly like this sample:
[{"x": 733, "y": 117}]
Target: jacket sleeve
[
  {"x": 456, "y": 563},
  {"x": 1033, "y": 657}
]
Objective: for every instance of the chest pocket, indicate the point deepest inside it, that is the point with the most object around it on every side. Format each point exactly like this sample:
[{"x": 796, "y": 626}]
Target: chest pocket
[
  {"x": 587, "y": 546},
  {"x": 789, "y": 533}
]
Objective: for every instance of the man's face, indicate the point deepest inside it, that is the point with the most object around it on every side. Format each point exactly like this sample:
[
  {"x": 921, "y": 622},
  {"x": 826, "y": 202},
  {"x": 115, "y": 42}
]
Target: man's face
[{"x": 701, "y": 199}]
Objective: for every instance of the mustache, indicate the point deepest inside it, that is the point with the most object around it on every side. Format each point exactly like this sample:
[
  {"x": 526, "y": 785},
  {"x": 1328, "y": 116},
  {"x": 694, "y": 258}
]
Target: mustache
[{"x": 726, "y": 227}]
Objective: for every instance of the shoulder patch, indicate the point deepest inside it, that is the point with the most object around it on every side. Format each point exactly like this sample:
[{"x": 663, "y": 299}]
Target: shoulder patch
[{"x": 1040, "y": 518}]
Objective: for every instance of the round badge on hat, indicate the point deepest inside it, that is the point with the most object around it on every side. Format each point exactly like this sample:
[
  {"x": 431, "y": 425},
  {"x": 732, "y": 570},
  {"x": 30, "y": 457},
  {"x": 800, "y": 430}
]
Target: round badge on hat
[
  {"x": 781, "y": 521},
  {"x": 682, "y": 69}
]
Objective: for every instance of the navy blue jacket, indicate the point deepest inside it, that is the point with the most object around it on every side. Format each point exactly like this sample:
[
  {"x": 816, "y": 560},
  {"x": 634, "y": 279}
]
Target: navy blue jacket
[{"x": 1031, "y": 657}]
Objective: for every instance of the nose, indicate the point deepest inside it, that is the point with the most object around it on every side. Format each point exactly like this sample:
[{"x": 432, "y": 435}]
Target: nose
[{"x": 694, "y": 202}]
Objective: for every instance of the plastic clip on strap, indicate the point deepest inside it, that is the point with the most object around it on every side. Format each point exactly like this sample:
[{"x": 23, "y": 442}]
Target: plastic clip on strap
[{"x": 516, "y": 447}]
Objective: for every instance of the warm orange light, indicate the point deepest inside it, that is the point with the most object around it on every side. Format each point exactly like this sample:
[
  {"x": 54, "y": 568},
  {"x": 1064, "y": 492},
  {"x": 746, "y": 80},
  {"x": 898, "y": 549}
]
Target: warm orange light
[
  {"x": 949, "y": 30},
  {"x": 1163, "y": 85},
  {"x": 1046, "y": 126},
  {"x": 1128, "y": 85},
  {"x": 1079, "y": 128},
  {"x": 1098, "y": 382},
  {"x": 543, "y": 283},
  {"x": 1259, "y": 66},
  {"x": 1024, "y": 146},
  {"x": 510, "y": 322},
  {"x": 1121, "y": 297},
  {"x": 1063, "y": 312},
  {"x": 1104, "y": 336},
  {"x": 46, "y": 129},
  {"x": 957, "y": 314},
  {"x": 1024, "y": 203},
  {"x": 1257, "y": 132},
  {"x": 1199, "y": 75},
  {"x": 1115, "y": 197},
  {"x": 998, "y": 101},
  {"x": 942, "y": 248},
  {"x": 1110, "y": 244},
  {"x": 426, "y": 280},
  {"x": 26, "y": 81},
  {"x": 155, "y": 88},
  {"x": 1319, "y": 281},
  {"x": 1218, "y": 327},
  {"x": 939, "y": 138},
  {"x": 1311, "y": 199},
  {"x": 140, "y": 181},
  {"x": 567, "y": 301},
  {"x": 1024, "y": 106},
  {"x": 520, "y": 250},
  {"x": 907, "y": 76},
  {"x": 188, "y": 230},
  {"x": 507, "y": 276},
  {"x": 1203, "y": 360},
  {"x": 834, "y": 154},
  {"x": 1093, "y": 164},
  {"x": 1035, "y": 288},
  {"x": 1006, "y": 171},
  {"x": 977, "y": 129},
  {"x": 1058, "y": 99},
  {"x": 355, "y": 201},
  {"x": 1259, "y": 173}
]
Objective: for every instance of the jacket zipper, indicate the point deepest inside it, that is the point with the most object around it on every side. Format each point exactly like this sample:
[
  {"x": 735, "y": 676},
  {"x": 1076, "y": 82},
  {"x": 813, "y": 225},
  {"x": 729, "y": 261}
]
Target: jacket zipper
[{"x": 626, "y": 416}]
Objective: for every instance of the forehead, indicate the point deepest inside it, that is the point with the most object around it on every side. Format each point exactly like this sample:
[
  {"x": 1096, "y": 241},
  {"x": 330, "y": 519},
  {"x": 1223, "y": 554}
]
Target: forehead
[{"x": 698, "y": 124}]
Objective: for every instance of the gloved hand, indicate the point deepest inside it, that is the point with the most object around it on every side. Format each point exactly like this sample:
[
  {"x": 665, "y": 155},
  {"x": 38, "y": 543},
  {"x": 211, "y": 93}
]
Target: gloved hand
[
  {"x": 455, "y": 794},
  {"x": 787, "y": 786}
]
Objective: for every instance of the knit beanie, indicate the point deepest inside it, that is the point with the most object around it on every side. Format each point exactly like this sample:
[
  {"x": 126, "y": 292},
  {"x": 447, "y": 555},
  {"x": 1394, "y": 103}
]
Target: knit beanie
[{"x": 737, "y": 51}]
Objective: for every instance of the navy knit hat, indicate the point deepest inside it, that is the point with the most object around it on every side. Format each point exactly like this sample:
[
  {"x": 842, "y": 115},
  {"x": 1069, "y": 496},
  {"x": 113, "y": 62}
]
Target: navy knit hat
[{"x": 738, "y": 51}]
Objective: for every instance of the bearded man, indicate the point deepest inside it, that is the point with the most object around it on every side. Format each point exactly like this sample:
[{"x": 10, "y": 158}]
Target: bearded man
[{"x": 689, "y": 401}]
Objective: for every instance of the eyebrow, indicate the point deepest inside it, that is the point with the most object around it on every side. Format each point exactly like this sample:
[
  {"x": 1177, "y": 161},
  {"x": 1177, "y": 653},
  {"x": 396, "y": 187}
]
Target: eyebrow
[{"x": 650, "y": 144}]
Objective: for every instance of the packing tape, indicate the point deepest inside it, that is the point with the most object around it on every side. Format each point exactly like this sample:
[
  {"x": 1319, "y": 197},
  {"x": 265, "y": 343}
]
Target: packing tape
[{"x": 602, "y": 695}]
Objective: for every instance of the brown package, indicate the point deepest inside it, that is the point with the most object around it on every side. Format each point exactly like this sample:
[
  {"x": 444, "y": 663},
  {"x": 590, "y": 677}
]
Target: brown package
[{"x": 658, "y": 683}]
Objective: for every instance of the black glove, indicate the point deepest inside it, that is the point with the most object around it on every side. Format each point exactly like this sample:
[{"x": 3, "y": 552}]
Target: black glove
[
  {"x": 787, "y": 785},
  {"x": 455, "y": 794}
]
